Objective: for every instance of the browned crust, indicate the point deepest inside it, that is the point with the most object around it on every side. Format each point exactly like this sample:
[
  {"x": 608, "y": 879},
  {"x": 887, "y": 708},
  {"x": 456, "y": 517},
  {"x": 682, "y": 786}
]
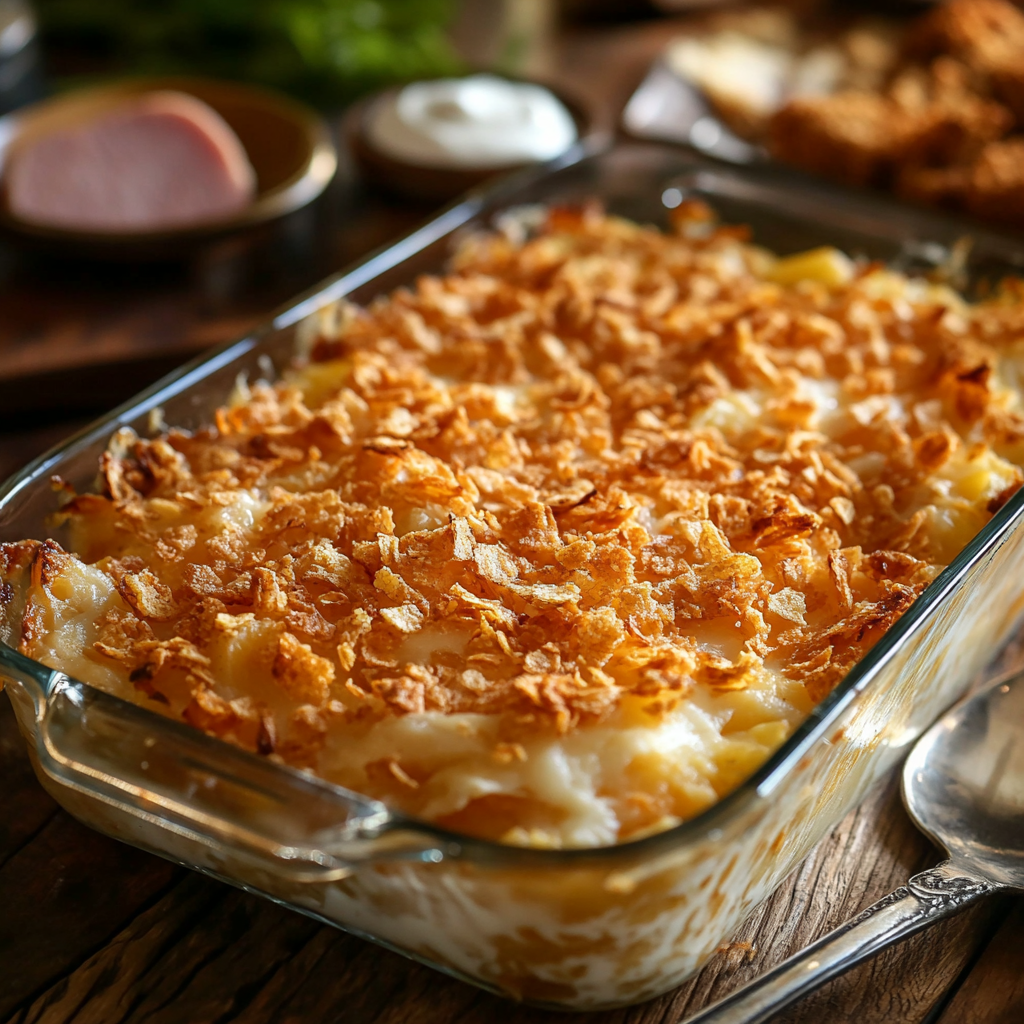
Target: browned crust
[{"x": 415, "y": 494}]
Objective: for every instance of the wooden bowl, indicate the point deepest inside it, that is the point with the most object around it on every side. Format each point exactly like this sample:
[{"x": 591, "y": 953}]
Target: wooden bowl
[
  {"x": 428, "y": 184},
  {"x": 288, "y": 145}
]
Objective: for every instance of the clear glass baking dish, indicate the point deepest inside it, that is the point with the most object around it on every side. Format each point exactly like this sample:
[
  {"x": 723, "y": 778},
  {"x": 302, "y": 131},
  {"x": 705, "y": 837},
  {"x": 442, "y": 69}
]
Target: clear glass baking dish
[{"x": 579, "y": 929}]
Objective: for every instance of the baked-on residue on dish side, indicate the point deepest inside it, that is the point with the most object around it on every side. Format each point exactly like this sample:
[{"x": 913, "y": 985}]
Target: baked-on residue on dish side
[{"x": 557, "y": 547}]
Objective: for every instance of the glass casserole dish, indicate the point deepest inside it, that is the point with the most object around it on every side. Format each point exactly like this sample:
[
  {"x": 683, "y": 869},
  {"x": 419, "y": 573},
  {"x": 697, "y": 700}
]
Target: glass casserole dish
[{"x": 580, "y": 928}]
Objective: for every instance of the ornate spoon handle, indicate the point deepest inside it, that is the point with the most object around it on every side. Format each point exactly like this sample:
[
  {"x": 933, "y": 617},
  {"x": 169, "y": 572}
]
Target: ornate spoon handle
[{"x": 932, "y": 894}]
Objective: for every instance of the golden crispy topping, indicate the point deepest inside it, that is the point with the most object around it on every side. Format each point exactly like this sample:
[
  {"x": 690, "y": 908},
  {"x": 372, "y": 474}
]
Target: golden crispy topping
[{"x": 600, "y": 471}]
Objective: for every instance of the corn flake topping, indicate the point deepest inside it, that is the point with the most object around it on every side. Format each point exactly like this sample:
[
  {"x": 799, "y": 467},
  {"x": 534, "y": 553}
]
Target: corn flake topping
[{"x": 601, "y": 501}]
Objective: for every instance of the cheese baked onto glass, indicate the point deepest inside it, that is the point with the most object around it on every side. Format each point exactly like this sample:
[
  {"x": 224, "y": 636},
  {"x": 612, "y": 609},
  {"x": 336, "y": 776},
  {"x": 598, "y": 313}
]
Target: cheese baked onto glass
[{"x": 555, "y": 548}]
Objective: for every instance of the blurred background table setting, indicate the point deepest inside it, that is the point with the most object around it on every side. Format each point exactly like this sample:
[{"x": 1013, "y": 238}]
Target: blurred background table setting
[{"x": 325, "y": 129}]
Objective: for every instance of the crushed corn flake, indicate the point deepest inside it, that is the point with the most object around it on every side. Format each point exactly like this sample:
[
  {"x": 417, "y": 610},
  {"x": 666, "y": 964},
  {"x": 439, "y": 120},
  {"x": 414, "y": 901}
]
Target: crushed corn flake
[{"x": 559, "y": 546}]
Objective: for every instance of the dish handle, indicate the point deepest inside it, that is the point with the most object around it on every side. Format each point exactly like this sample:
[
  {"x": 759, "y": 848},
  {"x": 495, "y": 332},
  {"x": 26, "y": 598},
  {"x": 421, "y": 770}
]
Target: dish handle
[{"x": 167, "y": 774}]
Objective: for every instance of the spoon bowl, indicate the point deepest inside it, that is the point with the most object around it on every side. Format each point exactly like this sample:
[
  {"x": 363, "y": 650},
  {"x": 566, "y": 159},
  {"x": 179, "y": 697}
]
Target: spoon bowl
[{"x": 963, "y": 783}]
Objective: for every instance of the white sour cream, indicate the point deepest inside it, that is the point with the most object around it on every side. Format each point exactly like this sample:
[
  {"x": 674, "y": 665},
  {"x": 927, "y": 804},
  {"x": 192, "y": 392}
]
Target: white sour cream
[{"x": 471, "y": 123}]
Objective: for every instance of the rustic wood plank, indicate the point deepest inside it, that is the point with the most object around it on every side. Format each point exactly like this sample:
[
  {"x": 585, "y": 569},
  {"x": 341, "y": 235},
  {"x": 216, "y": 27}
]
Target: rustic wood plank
[
  {"x": 78, "y": 343},
  {"x": 623, "y": 55},
  {"x": 64, "y": 889},
  {"x": 172, "y": 961},
  {"x": 993, "y": 992},
  {"x": 79, "y": 336},
  {"x": 204, "y": 953},
  {"x": 65, "y": 892}
]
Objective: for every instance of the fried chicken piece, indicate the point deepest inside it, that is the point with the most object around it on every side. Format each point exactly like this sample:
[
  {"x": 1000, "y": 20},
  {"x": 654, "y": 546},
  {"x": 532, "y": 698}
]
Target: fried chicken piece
[
  {"x": 987, "y": 36},
  {"x": 996, "y": 187},
  {"x": 953, "y": 122},
  {"x": 852, "y": 137},
  {"x": 944, "y": 80},
  {"x": 924, "y": 132},
  {"x": 952, "y": 135},
  {"x": 984, "y": 34},
  {"x": 1008, "y": 84},
  {"x": 871, "y": 49}
]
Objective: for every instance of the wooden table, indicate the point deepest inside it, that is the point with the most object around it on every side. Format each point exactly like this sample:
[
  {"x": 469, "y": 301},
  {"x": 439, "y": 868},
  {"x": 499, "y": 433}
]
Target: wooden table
[{"x": 95, "y": 932}]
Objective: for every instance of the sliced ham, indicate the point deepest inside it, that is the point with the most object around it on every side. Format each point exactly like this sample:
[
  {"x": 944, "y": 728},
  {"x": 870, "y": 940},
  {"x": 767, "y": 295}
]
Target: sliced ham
[{"x": 162, "y": 161}]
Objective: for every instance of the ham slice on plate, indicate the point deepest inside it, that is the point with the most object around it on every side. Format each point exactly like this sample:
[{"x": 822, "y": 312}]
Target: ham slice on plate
[{"x": 160, "y": 162}]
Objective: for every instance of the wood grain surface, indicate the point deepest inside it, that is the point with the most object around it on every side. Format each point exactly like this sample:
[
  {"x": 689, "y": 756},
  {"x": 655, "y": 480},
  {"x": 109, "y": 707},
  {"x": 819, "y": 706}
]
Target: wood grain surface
[
  {"x": 95, "y": 932},
  {"x": 993, "y": 990},
  {"x": 80, "y": 337}
]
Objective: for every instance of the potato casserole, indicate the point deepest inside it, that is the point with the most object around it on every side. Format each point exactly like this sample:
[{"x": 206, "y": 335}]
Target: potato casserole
[{"x": 555, "y": 548}]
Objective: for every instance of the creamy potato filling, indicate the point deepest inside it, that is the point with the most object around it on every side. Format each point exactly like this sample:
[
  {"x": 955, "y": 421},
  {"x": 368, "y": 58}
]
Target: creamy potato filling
[{"x": 558, "y": 547}]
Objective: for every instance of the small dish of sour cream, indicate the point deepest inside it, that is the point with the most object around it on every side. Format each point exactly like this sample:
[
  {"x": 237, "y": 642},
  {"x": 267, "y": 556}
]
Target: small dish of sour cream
[
  {"x": 432, "y": 139},
  {"x": 477, "y": 122}
]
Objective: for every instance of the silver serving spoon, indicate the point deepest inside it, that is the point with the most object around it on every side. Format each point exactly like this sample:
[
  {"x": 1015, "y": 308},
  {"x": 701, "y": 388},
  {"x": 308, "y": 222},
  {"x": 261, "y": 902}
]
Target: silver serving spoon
[{"x": 963, "y": 785}]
